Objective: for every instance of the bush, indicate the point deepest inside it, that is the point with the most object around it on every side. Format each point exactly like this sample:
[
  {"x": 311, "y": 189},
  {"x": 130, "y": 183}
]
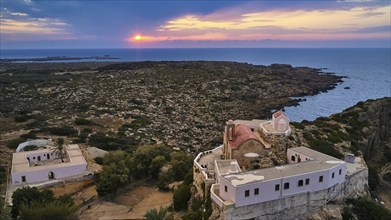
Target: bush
[
  {"x": 13, "y": 144},
  {"x": 373, "y": 178},
  {"x": 82, "y": 121},
  {"x": 324, "y": 147},
  {"x": 181, "y": 197},
  {"x": 109, "y": 143},
  {"x": 64, "y": 131},
  {"x": 28, "y": 136},
  {"x": 297, "y": 125},
  {"x": 22, "y": 118},
  {"x": 29, "y": 203},
  {"x": 368, "y": 210},
  {"x": 99, "y": 160}
]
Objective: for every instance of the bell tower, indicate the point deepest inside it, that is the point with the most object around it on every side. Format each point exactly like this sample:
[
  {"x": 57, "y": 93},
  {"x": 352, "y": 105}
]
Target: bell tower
[{"x": 229, "y": 135}]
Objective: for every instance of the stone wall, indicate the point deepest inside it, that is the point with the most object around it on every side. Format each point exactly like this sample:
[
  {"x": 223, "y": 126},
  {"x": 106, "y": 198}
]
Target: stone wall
[{"x": 248, "y": 146}]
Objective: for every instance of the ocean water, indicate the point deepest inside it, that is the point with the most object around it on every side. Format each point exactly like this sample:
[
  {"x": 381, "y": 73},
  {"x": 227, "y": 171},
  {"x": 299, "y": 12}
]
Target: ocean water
[{"x": 368, "y": 71}]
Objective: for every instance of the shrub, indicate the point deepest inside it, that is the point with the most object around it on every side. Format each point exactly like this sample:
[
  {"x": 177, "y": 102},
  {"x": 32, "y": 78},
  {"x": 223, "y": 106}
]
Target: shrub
[
  {"x": 181, "y": 197},
  {"x": 368, "y": 210},
  {"x": 373, "y": 178},
  {"x": 22, "y": 118},
  {"x": 82, "y": 121},
  {"x": 13, "y": 144},
  {"x": 64, "y": 131},
  {"x": 108, "y": 143},
  {"x": 99, "y": 160},
  {"x": 325, "y": 147},
  {"x": 28, "y": 136}
]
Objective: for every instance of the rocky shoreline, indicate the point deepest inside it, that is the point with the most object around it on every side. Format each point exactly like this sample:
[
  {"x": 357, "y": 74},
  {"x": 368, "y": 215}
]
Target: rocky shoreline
[{"x": 182, "y": 104}]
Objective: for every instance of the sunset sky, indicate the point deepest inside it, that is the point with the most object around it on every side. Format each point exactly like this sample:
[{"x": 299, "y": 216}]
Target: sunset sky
[{"x": 183, "y": 23}]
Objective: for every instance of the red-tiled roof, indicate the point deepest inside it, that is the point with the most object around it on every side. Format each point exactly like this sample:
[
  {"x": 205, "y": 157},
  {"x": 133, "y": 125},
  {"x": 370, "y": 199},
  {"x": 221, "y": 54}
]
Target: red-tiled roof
[
  {"x": 242, "y": 134},
  {"x": 278, "y": 114}
]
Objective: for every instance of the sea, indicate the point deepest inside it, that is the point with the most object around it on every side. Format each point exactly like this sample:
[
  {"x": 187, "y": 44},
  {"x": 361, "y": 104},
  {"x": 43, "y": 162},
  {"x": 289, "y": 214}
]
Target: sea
[{"x": 367, "y": 71}]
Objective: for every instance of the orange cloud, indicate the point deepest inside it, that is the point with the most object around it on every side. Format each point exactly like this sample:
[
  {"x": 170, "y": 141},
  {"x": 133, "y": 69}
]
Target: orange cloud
[{"x": 277, "y": 24}]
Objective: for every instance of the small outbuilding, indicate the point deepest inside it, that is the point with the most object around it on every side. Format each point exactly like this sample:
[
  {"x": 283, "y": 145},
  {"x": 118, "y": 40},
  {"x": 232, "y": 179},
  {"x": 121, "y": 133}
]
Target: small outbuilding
[
  {"x": 280, "y": 121},
  {"x": 45, "y": 164}
]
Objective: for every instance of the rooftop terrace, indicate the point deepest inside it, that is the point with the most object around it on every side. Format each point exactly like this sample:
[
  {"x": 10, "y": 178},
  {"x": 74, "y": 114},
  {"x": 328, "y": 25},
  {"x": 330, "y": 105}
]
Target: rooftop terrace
[{"x": 21, "y": 164}]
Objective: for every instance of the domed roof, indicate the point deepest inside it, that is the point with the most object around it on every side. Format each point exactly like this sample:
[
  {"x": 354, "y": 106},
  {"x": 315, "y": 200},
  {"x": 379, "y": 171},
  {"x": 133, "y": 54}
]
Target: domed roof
[{"x": 242, "y": 134}]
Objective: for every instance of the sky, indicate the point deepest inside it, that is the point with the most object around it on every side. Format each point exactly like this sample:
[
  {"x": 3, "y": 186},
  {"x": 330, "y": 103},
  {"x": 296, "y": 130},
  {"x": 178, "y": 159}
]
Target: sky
[{"x": 44, "y": 24}]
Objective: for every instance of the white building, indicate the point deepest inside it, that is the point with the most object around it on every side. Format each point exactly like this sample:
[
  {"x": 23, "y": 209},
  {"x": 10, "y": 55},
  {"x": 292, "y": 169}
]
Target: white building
[
  {"x": 42, "y": 165},
  {"x": 307, "y": 171},
  {"x": 308, "y": 179}
]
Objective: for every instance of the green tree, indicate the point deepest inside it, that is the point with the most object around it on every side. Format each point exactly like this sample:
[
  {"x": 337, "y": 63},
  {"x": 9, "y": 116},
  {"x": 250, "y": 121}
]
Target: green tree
[
  {"x": 156, "y": 163},
  {"x": 165, "y": 178},
  {"x": 181, "y": 197},
  {"x": 162, "y": 214},
  {"x": 27, "y": 196},
  {"x": 60, "y": 149},
  {"x": 115, "y": 173},
  {"x": 56, "y": 209},
  {"x": 143, "y": 157},
  {"x": 181, "y": 164},
  {"x": 30, "y": 203}
]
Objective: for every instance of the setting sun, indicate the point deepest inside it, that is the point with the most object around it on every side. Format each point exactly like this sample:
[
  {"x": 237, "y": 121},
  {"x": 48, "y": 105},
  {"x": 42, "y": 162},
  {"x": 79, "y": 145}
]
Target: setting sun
[{"x": 138, "y": 37}]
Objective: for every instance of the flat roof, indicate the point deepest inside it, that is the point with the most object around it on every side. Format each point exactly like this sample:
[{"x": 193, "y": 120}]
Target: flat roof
[
  {"x": 223, "y": 166},
  {"x": 321, "y": 162},
  {"x": 268, "y": 126},
  {"x": 21, "y": 164}
]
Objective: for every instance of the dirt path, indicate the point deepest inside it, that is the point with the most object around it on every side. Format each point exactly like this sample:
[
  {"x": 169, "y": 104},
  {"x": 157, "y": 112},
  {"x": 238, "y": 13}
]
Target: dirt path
[{"x": 130, "y": 205}]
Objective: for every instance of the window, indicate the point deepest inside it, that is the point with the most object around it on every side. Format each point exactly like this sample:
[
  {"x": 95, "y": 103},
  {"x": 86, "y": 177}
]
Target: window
[
  {"x": 256, "y": 191},
  {"x": 321, "y": 179},
  {"x": 340, "y": 171},
  {"x": 293, "y": 158},
  {"x": 277, "y": 187},
  {"x": 299, "y": 160},
  {"x": 23, "y": 179},
  {"x": 300, "y": 183},
  {"x": 286, "y": 185},
  {"x": 332, "y": 175},
  {"x": 225, "y": 188},
  {"x": 307, "y": 181},
  {"x": 247, "y": 193}
]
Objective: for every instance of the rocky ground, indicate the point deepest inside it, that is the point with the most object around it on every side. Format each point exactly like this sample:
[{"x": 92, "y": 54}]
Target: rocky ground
[{"x": 183, "y": 104}]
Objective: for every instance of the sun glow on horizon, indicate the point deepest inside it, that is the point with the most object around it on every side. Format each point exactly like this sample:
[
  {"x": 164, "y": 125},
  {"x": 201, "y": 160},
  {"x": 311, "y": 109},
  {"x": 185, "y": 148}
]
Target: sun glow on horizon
[{"x": 138, "y": 37}]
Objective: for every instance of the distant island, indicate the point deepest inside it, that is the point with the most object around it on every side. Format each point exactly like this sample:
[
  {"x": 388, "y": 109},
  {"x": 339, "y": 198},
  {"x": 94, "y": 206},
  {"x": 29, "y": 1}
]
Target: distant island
[{"x": 58, "y": 58}]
